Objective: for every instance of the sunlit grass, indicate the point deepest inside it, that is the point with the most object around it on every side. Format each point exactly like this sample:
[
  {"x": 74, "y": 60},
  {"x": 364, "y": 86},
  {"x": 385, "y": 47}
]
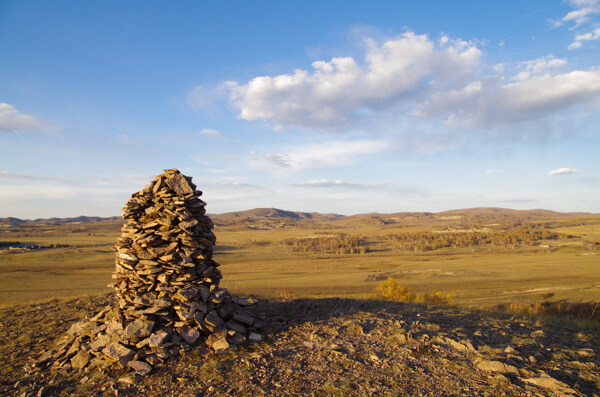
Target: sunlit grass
[{"x": 257, "y": 262}]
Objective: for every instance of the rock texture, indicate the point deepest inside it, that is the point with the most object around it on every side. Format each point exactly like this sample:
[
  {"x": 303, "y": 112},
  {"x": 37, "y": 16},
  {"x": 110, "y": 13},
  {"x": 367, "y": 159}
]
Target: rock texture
[{"x": 167, "y": 287}]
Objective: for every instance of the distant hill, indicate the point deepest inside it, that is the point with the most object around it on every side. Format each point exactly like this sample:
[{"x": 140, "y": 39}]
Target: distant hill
[
  {"x": 501, "y": 211},
  {"x": 79, "y": 219},
  {"x": 56, "y": 221},
  {"x": 276, "y": 214},
  {"x": 272, "y": 213},
  {"x": 12, "y": 221}
]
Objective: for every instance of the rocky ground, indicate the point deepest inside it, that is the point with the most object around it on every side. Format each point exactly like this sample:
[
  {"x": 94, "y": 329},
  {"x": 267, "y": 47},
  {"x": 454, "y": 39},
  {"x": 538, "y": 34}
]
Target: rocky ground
[{"x": 328, "y": 347}]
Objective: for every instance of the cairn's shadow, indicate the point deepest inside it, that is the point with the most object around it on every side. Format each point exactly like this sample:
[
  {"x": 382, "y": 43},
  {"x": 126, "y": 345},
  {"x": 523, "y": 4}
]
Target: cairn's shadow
[{"x": 494, "y": 329}]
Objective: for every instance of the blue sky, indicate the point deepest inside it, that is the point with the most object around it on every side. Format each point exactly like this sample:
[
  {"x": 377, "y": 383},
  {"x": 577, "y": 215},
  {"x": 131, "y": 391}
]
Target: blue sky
[{"x": 337, "y": 106}]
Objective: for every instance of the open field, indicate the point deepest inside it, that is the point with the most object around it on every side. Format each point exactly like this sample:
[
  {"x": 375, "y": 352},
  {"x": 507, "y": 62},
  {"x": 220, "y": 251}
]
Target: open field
[
  {"x": 282, "y": 257},
  {"x": 323, "y": 337}
]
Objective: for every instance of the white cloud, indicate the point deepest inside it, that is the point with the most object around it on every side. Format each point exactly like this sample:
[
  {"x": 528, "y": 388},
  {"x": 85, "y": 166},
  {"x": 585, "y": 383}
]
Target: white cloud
[
  {"x": 584, "y": 9},
  {"x": 201, "y": 97},
  {"x": 13, "y": 121},
  {"x": 339, "y": 184},
  {"x": 325, "y": 154},
  {"x": 208, "y": 131},
  {"x": 517, "y": 200},
  {"x": 537, "y": 66},
  {"x": 492, "y": 171},
  {"x": 564, "y": 171},
  {"x": 580, "y": 38},
  {"x": 498, "y": 68},
  {"x": 15, "y": 175},
  {"x": 413, "y": 76},
  {"x": 337, "y": 92},
  {"x": 488, "y": 103}
]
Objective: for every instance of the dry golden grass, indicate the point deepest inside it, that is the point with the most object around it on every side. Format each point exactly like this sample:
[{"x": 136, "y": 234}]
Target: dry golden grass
[
  {"x": 258, "y": 262},
  {"x": 587, "y": 311}
]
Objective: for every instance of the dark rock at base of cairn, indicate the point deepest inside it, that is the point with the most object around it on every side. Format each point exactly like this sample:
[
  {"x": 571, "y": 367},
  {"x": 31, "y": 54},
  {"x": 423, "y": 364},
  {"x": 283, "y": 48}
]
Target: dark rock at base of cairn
[{"x": 167, "y": 288}]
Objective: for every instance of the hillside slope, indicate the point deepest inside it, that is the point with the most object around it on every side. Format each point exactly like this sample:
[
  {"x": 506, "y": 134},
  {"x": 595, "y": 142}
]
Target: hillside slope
[{"x": 330, "y": 347}]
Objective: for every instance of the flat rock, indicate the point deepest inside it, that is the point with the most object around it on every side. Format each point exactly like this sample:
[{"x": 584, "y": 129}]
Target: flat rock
[
  {"x": 585, "y": 352},
  {"x": 236, "y": 326},
  {"x": 464, "y": 346},
  {"x": 158, "y": 338},
  {"x": 243, "y": 317},
  {"x": 497, "y": 366},
  {"x": 218, "y": 341},
  {"x": 100, "y": 342},
  {"x": 186, "y": 294},
  {"x": 139, "y": 329},
  {"x": 549, "y": 383},
  {"x": 179, "y": 184},
  {"x": 118, "y": 352},
  {"x": 140, "y": 367},
  {"x": 213, "y": 319},
  {"x": 236, "y": 339},
  {"x": 190, "y": 335},
  {"x": 80, "y": 360},
  {"x": 255, "y": 337}
]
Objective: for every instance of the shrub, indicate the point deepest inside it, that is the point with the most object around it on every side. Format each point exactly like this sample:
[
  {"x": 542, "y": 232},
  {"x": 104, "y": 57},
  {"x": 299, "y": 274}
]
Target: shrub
[{"x": 391, "y": 290}]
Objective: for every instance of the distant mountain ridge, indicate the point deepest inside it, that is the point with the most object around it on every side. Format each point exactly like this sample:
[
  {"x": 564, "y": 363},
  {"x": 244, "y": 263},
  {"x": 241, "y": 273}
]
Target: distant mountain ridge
[
  {"x": 10, "y": 221},
  {"x": 276, "y": 213},
  {"x": 273, "y": 213}
]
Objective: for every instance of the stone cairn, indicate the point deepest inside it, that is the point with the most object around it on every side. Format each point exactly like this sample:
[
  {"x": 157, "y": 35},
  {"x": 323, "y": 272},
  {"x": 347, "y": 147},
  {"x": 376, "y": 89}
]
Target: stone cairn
[{"x": 167, "y": 288}]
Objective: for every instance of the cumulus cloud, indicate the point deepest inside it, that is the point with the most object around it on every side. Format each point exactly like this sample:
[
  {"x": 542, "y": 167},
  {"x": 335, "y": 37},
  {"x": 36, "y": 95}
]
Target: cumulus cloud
[
  {"x": 582, "y": 14},
  {"x": 337, "y": 92},
  {"x": 320, "y": 183},
  {"x": 537, "y": 66},
  {"x": 410, "y": 77},
  {"x": 564, "y": 171},
  {"x": 325, "y": 154},
  {"x": 580, "y": 38},
  {"x": 489, "y": 103},
  {"x": 13, "y": 121},
  {"x": 208, "y": 131},
  {"x": 584, "y": 10}
]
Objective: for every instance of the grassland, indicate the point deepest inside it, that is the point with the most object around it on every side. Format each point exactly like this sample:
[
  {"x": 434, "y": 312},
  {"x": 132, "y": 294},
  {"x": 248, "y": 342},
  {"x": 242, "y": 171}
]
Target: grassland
[
  {"x": 330, "y": 340},
  {"x": 256, "y": 258}
]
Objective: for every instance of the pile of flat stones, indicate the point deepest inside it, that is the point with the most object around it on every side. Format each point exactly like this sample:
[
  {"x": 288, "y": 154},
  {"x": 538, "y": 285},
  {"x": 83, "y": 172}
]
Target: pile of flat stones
[{"x": 167, "y": 287}]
